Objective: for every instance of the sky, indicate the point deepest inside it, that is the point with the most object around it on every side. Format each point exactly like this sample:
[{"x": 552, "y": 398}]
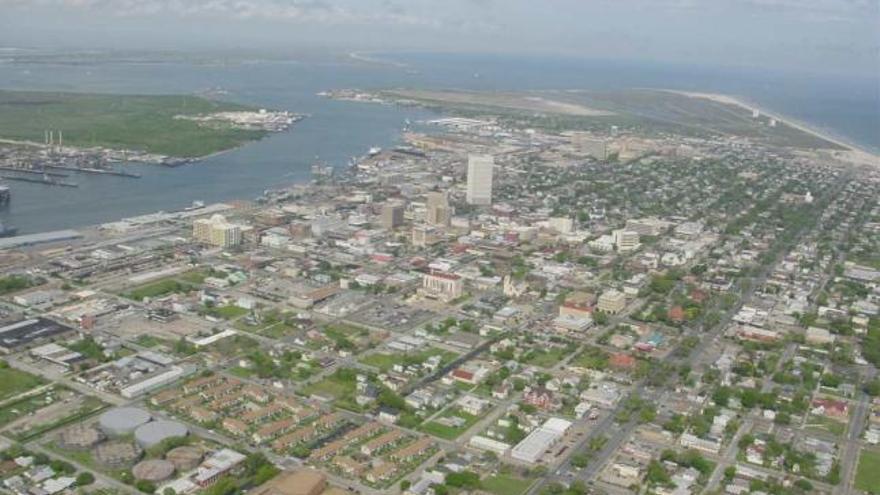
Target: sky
[{"x": 840, "y": 37}]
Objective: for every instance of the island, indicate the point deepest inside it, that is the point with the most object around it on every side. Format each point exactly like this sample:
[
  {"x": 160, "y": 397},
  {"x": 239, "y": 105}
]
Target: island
[
  {"x": 165, "y": 128},
  {"x": 647, "y": 112}
]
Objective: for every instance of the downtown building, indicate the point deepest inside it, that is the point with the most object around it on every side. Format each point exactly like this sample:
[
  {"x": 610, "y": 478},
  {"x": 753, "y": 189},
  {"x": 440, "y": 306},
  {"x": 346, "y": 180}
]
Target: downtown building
[{"x": 479, "y": 179}]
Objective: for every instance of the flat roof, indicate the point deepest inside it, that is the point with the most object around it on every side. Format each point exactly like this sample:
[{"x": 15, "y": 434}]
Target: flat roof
[
  {"x": 24, "y": 332},
  {"x": 43, "y": 237}
]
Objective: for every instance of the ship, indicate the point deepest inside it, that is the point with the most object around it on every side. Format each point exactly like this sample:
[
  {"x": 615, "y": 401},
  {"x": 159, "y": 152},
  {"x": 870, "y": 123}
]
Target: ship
[{"x": 5, "y": 195}]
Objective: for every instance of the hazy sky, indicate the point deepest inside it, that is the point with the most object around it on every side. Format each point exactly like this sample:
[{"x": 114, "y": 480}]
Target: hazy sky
[{"x": 828, "y": 36}]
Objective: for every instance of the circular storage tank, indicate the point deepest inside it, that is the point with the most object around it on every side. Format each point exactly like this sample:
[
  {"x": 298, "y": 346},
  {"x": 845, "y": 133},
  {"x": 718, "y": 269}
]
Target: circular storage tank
[
  {"x": 118, "y": 454},
  {"x": 123, "y": 420},
  {"x": 154, "y": 470},
  {"x": 81, "y": 437},
  {"x": 184, "y": 458},
  {"x": 155, "y": 432}
]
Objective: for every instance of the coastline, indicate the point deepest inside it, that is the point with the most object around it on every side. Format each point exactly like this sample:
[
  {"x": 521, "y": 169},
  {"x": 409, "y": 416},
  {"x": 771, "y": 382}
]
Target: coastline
[{"x": 852, "y": 153}]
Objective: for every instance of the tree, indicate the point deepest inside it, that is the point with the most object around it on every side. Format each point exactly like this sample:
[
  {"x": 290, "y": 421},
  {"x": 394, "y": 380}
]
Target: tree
[
  {"x": 580, "y": 461},
  {"x": 145, "y": 486},
  {"x": 404, "y": 485},
  {"x": 85, "y": 478},
  {"x": 464, "y": 479},
  {"x": 729, "y": 473}
]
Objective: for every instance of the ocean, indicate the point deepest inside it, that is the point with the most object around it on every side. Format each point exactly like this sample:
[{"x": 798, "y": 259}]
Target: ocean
[{"x": 336, "y": 131}]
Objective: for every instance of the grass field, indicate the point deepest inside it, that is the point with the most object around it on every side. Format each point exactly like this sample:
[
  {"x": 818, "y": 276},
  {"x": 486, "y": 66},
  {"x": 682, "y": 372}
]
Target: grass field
[
  {"x": 226, "y": 312},
  {"x": 87, "y": 407},
  {"x": 135, "y": 122},
  {"x": 868, "y": 473},
  {"x": 158, "y": 289},
  {"x": 546, "y": 358},
  {"x": 14, "y": 382},
  {"x": 450, "y": 432},
  {"x": 335, "y": 386},
  {"x": 503, "y": 484},
  {"x": 385, "y": 361}
]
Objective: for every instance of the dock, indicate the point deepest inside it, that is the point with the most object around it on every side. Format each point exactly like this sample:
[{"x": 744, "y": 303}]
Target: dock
[
  {"x": 47, "y": 182},
  {"x": 32, "y": 171},
  {"x": 98, "y": 171}
]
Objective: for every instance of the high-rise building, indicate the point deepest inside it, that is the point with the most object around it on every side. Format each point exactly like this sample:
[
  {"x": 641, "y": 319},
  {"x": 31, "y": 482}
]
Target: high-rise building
[
  {"x": 392, "y": 215},
  {"x": 439, "y": 212},
  {"x": 217, "y": 231},
  {"x": 479, "y": 179}
]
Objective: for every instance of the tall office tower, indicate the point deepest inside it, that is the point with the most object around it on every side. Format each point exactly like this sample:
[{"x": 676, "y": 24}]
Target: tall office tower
[
  {"x": 479, "y": 179},
  {"x": 392, "y": 215},
  {"x": 439, "y": 213}
]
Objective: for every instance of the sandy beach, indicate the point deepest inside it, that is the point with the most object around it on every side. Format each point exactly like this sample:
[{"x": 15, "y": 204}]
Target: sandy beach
[{"x": 851, "y": 153}]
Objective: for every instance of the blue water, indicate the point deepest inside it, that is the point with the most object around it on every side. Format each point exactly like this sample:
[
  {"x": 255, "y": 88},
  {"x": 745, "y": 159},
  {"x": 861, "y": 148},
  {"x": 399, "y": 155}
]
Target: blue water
[{"x": 336, "y": 131}]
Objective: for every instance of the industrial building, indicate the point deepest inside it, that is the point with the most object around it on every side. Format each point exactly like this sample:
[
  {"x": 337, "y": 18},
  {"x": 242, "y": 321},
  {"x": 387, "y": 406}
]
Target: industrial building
[
  {"x": 540, "y": 440},
  {"x": 24, "y": 333}
]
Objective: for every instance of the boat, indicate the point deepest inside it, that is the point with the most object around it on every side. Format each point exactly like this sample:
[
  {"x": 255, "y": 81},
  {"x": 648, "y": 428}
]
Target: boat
[
  {"x": 375, "y": 150},
  {"x": 7, "y": 231},
  {"x": 196, "y": 205}
]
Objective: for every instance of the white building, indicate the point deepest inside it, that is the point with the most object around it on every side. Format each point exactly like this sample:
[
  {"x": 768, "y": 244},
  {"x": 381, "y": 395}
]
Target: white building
[
  {"x": 442, "y": 285},
  {"x": 612, "y": 301},
  {"x": 217, "y": 231},
  {"x": 626, "y": 240},
  {"x": 532, "y": 448},
  {"x": 479, "y": 179}
]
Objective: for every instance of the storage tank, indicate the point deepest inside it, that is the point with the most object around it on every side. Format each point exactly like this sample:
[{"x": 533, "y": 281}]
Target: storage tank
[
  {"x": 155, "y": 432},
  {"x": 123, "y": 420}
]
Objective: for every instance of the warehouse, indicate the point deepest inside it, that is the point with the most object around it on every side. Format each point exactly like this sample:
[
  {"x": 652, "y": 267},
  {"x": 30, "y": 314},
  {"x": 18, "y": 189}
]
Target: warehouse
[
  {"x": 20, "y": 334},
  {"x": 540, "y": 440}
]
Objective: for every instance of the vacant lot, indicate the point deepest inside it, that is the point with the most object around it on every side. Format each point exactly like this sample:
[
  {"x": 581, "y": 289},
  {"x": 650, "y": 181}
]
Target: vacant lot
[
  {"x": 14, "y": 382},
  {"x": 868, "y": 474}
]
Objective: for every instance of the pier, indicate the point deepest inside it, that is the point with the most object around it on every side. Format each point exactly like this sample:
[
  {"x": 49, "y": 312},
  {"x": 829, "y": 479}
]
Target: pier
[
  {"x": 32, "y": 171},
  {"x": 45, "y": 181},
  {"x": 98, "y": 171}
]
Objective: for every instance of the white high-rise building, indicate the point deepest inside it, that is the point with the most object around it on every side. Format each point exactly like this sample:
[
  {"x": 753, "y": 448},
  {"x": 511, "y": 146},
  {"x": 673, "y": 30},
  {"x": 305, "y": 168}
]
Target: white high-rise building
[
  {"x": 217, "y": 231},
  {"x": 479, "y": 179}
]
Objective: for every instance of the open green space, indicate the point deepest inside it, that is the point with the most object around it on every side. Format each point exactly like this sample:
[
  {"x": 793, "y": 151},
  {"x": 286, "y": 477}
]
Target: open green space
[
  {"x": 158, "y": 289},
  {"x": 829, "y": 425},
  {"x": 340, "y": 386},
  {"x": 546, "y": 358},
  {"x": 13, "y": 283},
  {"x": 385, "y": 361},
  {"x": 448, "y": 432},
  {"x": 14, "y": 382},
  {"x": 503, "y": 484},
  {"x": 86, "y": 407},
  {"x": 134, "y": 122},
  {"x": 591, "y": 357},
  {"x": 868, "y": 471},
  {"x": 229, "y": 312}
]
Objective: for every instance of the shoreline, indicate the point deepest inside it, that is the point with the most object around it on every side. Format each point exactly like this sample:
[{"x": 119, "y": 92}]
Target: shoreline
[{"x": 853, "y": 153}]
